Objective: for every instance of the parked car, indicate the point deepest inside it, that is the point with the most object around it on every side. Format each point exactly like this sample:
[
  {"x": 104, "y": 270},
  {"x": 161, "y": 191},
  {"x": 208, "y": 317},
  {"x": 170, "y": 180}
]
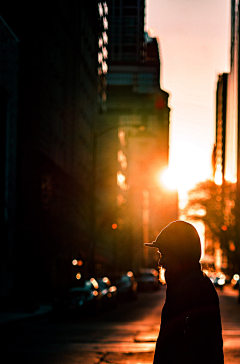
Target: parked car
[
  {"x": 148, "y": 280},
  {"x": 109, "y": 292},
  {"x": 126, "y": 285},
  {"x": 218, "y": 279},
  {"x": 235, "y": 281},
  {"x": 82, "y": 298}
]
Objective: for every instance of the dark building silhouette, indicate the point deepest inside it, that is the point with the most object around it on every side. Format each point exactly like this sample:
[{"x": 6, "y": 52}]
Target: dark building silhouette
[
  {"x": 231, "y": 165},
  {"x": 232, "y": 160},
  {"x": 227, "y": 151},
  {"x": 134, "y": 144},
  {"x": 126, "y": 31},
  {"x": 9, "y": 70},
  {"x": 86, "y": 130},
  {"x": 102, "y": 53},
  {"x": 220, "y": 138},
  {"x": 235, "y": 120},
  {"x": 53, "y": 93}
]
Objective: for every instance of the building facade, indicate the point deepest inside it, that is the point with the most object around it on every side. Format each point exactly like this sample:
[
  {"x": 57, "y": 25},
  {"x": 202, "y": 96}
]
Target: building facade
[
  {"x": 9, "y": 70},
  {"x": 220, "y": 138},
  {"x": 134, "y": 145},
  {"x": 58, "y": 98},
  {"x": 232, "y": 162},
  {"x": 233, "y": 97},
  {"x": 227, "y": 153},
  {"x": 126, "y": 31}
]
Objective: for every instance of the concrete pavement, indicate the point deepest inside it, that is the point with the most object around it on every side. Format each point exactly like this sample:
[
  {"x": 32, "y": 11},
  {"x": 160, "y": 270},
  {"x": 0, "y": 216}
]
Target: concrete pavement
[
  {"x": 129, "y": 342},
  {"x": 138, "y": 347},
  {"x": 230, "y": 314},
  {"x": 16, "y": 315}
]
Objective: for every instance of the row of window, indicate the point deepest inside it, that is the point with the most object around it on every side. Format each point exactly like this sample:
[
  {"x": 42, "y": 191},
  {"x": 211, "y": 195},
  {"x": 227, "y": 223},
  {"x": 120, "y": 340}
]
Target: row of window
[
  {"x": 124, "y": 57},
  {"x": 116, "y": 21},
  {"x": 140, "y": 79},
  {"x": 126, "y": 41},
  {"x": 129, "y": 11},
  {"x": 125, "y": 2}
]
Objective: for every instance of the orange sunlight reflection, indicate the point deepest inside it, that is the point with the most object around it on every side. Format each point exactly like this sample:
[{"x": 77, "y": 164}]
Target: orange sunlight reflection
[
  {"x": 162, "y": 275},
  {"x": 187, "y": 167},
  {"x": 230, "y": 178},
  {"x": 218, "y": 179},
  {"x": 181, "y": 178}
]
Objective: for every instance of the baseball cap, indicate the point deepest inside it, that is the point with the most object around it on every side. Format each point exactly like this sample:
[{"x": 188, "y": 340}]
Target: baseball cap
[{"x": 181, "y": 238}]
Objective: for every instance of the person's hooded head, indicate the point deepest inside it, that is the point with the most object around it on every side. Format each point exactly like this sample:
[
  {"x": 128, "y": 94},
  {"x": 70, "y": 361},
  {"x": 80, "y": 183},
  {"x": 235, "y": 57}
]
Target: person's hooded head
[{"x": 179, "y": 244}]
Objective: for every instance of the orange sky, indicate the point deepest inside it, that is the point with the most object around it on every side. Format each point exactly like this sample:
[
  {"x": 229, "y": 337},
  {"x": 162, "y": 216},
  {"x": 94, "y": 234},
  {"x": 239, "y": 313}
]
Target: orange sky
[{"x": 194, "y": 44}]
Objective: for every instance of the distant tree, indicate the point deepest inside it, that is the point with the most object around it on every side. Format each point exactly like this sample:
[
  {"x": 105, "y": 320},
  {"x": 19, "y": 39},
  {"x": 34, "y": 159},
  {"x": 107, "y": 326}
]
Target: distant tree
[{"x": 215, "y": 206}]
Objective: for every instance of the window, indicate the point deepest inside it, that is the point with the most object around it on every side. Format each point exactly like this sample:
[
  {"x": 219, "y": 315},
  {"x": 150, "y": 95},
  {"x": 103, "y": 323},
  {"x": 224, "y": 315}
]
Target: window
[
  {"x": 129, "y": 49},
  {"x": 120, "y": 79},
  {"x": 130, "y": 11},
  {"x": 130, "y": 2}
]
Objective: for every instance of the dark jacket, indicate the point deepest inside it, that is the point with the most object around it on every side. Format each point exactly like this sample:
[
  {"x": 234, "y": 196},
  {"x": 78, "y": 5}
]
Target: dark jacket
[{"x": 191, "y": 331}]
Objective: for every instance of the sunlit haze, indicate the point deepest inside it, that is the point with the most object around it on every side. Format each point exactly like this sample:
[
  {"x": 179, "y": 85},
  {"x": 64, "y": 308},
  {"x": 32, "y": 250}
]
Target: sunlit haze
[{"x": 194, "y": 47}]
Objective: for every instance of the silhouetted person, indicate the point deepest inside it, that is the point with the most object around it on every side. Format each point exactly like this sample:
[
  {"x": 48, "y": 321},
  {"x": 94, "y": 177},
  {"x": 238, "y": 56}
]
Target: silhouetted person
[{"x": 191, "y": 331}]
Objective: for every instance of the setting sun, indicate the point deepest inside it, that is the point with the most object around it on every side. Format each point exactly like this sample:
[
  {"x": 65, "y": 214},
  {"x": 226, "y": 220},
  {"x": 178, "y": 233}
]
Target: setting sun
[
  {"x": 168, "y": 179},
  {"x": 192, "y": 55},
  {"x": 182, "y": 178},
  {"x": 187, "y": 166}
]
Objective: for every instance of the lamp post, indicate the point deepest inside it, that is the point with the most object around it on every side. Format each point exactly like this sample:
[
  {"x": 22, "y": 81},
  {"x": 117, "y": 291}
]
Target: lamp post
[{"x": 95, "y": 136}]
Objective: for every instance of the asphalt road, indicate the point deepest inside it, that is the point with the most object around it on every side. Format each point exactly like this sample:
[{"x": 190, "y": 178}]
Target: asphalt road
[{"x": 126, "y": 334}]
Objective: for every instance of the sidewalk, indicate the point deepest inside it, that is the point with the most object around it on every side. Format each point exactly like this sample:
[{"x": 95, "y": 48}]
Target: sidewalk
[
  {"x": 230, "y": 315},
  {"x": 230, "y": 311},
  {"x": 140, "y": 349},
  {"x": 19, "y": 315}
]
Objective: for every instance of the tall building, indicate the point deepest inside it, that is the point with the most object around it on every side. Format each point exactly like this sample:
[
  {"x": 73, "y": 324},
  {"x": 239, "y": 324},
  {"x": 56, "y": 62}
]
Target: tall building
[
  {"x": 134, "y": 144},
  {"x": 126, "y": 31},
  {"x": 232, "y": 101},
  {"x": 102, "y": 53},
  {"x": 220, "y": 138},
  {"x": 9, "y": 70},
  {"x": 57, "y": 103},
  {"x": 232, "y": 141},
  {"x": 234, "y": 122}
]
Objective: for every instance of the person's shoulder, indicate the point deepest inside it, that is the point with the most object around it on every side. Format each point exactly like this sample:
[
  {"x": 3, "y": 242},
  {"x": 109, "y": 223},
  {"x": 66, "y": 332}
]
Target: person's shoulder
[
  {"x": 200, "y": 284},
  {"x": 201, "y": 279}
]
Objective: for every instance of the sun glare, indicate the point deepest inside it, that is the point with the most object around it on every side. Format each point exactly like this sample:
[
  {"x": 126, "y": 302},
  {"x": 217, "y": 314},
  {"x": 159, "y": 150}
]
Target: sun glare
[
  {"x": 180, "y": 179},
  {"x": 218, "y": 178},
  {"x": 188, "y": 166},
  {"x": 230, "y": 178},
  {"x": 167, "y": 178}
]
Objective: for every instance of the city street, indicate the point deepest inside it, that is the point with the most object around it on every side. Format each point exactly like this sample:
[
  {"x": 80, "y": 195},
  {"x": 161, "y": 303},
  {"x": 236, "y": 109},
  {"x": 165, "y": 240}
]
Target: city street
[{"x": 126, "y": 334}]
